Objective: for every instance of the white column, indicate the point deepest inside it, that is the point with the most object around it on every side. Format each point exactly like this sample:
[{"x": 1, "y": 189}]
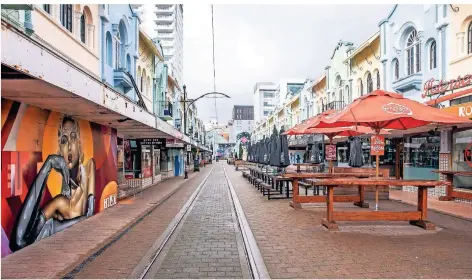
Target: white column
[
  {"x": 90, "y": 38},
  {"x": 460, "y": 44},
  {"x": 76, "y": 24}
]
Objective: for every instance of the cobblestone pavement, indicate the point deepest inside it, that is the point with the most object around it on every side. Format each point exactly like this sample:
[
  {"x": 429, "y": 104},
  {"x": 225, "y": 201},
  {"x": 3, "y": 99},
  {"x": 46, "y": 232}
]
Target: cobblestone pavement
[
  {"x": 55, "y": 256},
  {"x": 118, "y": 260},
  {"x": 208, "y": 243},
  {"x": 294, "y": 245}
]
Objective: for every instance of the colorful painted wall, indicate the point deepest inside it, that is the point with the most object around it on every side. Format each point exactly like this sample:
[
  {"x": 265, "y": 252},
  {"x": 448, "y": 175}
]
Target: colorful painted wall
[{"x": 56, "y": 171}]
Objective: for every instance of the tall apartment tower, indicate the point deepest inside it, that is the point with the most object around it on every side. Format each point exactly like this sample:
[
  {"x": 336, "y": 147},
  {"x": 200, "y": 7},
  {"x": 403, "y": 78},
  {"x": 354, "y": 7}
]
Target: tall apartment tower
[
  {"x": 264, "y": 100},
  {"x": 169, "y": 27}
]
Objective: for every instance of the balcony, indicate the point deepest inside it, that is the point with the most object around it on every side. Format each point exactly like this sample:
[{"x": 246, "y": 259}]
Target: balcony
[
  {"x": 165, "y": 28},
  {"x": 165, "y": 9},
  {"x": 334, "y": 105},
  {"x": 122, "y": 80},
  {"x": 164, "y": 19},
  {"x": 165, "y": 112},
  {"x": 411, "y": 82}
]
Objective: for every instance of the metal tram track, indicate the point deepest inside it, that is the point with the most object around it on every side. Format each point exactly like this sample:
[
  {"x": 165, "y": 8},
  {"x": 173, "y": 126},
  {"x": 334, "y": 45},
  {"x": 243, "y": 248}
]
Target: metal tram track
[{"x": 257, "y": 269}]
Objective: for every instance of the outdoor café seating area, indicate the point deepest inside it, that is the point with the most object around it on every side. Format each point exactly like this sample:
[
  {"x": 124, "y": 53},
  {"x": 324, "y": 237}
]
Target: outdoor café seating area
[{"x": 317, "y": 182}]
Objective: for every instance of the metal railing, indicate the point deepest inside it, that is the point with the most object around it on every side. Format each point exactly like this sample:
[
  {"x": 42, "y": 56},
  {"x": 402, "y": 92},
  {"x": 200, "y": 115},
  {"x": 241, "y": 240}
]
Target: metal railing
[{"x": 334, "y": 105}]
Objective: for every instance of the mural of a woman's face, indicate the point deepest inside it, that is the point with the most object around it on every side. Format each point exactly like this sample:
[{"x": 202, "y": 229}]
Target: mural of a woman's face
[{"x": 69, "y": 143}]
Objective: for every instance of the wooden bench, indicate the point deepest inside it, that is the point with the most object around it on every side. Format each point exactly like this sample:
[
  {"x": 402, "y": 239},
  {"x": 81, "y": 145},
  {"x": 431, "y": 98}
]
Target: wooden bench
[{"x": 369, "y": 190}]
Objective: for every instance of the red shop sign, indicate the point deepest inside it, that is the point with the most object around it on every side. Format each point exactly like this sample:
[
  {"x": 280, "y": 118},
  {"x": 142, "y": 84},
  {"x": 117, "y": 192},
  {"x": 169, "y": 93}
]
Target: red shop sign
[
  {"x": 330, "y": 152},
  {"x": 377, "y": 145},
  {"x": 468, "y": 154},
  {"x": 431, "y": 89}
]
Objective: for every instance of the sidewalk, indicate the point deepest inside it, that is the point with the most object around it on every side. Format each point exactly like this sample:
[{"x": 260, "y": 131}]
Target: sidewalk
[
  {"x": 458, "y": 209},
  {"x": 55, "y": 256}
]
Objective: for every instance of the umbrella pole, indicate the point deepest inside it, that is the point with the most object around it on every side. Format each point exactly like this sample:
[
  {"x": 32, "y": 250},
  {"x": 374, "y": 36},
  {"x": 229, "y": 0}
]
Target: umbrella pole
[
  {"x": 377, "y": 187},
  {"x": 330, "y": 161}
]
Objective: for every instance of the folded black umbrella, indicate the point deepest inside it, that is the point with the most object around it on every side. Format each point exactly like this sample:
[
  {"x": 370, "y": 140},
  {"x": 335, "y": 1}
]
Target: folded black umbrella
[
  {"x": 283, "y": 149},
  {"x": 355, "y": 153},
  {"x": 315, "y": 154}
]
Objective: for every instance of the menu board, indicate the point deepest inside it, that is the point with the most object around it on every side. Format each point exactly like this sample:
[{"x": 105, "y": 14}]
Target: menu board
[
  {"x": 330, "y": 152},
  {"x": 377, "y": 145}
]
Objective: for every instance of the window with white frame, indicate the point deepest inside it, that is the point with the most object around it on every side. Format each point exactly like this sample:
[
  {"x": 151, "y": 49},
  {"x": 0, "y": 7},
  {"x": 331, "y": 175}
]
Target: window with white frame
[
  {"x": 66, "y": 16},
  {"x": 432, "y": 55},
  {"x": 396, "y": 70},
  {"x": 469, "y": 38},
  {"x": 117, "y": 50},
  {"x": 378, "y": 79},
  {"x": 361, "y": 88},
  {"x": 82, "y": 28},
  {"x": 413, "y": 53}
]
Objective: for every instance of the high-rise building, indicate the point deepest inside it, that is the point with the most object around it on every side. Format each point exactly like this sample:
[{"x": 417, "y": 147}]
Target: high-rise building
[
  {"x": 264, "y": 100},
  {"x": 169, "y": 27},
  {"x": 243, "y": 112}
]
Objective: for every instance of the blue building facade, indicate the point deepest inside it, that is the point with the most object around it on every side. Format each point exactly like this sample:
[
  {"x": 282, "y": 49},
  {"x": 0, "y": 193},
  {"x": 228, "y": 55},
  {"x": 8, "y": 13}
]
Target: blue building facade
[
  {"x": 119, "y": 47},
  {"x": 413, "y": 51}
]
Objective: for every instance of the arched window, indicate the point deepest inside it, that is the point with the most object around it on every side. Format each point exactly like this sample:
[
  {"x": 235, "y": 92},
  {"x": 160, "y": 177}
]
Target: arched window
[
  {"x": 139, "y": 79},
  {"x": 148, "y": 86},
  {"x": 118, "y": 50},
  {"x": 396, "y": 70},
  {"x": 109, "y": 50},
  {"x": 413, "y": 53},
  {"x": 66, "y": 16},
  {"x": 361, "y": 88},
  {"x": 341, "y": 97},
  {"x": 432, "y": 55},
  {"x": 469, "y": 38},
  {"x": 82, "y": 28},
  {"x": 378, "y": 80},
  {"x": 128, "y": 63},
  {"x": 370, "y": 86}
]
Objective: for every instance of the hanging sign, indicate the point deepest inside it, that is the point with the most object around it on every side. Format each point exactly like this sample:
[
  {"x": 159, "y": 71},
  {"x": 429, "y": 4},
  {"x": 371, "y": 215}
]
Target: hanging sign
[
  {"x": 189, "y": 148},
  {"x": 377, "y": 145},
  {"x": 330, "y": 152}
]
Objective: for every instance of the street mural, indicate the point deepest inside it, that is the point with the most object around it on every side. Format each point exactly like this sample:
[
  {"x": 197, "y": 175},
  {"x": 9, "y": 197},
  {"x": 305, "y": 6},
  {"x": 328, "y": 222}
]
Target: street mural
[{"x": 57, "y": 170}]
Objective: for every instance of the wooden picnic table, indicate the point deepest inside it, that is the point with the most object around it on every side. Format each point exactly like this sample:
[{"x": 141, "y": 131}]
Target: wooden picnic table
[
  {"x": 276, "y": 179},
  {"x": 297, "y": 200},
  {"x": 414, "y": 217},
  {"x": 298, "y": 165},
  {"x": 451, "y": 194}
]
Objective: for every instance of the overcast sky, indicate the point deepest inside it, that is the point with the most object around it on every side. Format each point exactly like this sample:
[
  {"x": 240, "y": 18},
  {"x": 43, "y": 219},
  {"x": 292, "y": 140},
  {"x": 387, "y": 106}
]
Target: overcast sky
[{"x": 255, "y": 43}]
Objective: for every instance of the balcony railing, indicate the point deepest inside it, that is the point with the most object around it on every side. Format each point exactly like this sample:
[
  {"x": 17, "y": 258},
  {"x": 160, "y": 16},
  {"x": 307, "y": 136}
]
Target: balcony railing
[{"x": 334, "y": 105}]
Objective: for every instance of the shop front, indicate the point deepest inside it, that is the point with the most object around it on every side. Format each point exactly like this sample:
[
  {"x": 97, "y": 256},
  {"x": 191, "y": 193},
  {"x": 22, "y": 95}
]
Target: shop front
[{"x": 175, "y": 158}]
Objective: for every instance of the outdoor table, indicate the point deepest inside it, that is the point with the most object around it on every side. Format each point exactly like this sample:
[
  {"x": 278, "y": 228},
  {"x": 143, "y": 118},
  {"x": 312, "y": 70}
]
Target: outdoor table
[
  {"x": 298, "y": 165},
  {"x": 417, "y": 218},
  {"x": 297, "y": 200},
  {"x": 451, "y": 194},
  {"x": 284, "y": 180}
]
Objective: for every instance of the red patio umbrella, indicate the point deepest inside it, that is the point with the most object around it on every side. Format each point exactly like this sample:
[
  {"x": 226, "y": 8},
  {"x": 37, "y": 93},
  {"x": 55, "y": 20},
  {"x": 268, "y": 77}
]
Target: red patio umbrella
[
  {"x": 381, "y": 109},
  {"x": 299, "y": 129}
]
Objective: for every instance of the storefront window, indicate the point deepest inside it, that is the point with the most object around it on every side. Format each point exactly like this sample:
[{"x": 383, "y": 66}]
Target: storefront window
[
  {"x": 422, "y": 156},
  {"x": 462, "y": 157},
  {"x": 156, "y": 161},
  {"x": 146, "y": 171}
]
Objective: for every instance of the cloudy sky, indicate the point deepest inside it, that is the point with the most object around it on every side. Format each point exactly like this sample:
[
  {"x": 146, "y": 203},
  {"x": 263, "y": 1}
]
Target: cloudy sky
[{"x": 255, "y": 43}]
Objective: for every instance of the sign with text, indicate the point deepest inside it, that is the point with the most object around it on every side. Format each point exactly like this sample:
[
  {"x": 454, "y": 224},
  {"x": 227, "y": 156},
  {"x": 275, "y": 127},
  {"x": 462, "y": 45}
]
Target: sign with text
[
  {"x": 377, "y": 145},
  {"x": 330, "y": 152},
  {"x": 431, "y": 89},
  {"x": 462, "y": 110},
  {"x": 189, "y": 148},
  {"x": 171, "y": 143},
  {"x": 153, "y": 141}
]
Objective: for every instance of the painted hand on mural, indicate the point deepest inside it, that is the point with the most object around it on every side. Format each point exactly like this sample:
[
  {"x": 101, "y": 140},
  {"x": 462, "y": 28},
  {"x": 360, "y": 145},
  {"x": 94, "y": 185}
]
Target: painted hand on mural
[{"x": 76, "y": 200}]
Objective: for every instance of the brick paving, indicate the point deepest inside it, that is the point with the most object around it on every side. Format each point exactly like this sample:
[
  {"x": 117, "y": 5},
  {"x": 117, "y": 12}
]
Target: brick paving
[
  {"x": 57, "y": 255},
  {"x": 294, "y": 245},
  {"x": 456, "y": 208},
  {"x": 207, "y": 244}
]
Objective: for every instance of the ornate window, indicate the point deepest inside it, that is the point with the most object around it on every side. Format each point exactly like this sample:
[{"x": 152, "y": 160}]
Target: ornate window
[
  {"x": 432, "y": 55},
  {"x": 82, "y": 28},
  {"x": 370, "y": 85},
  {"x": 413, "y": 53},
  {"x": 396, "y": 70},
  {"x": 117, "y": 50},
  {"x": 66, "y": 16},
  {"x": 378, "y": 80},
  {"x": 469, "y": 38}
]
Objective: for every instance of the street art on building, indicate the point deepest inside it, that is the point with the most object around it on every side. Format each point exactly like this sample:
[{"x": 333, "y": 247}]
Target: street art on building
[{"x": 57, "y": 170}]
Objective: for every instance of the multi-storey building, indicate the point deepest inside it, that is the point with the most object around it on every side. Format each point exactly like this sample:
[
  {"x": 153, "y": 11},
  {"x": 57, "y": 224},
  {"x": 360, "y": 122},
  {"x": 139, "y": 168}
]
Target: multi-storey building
[
  {"x": 169, "y": 27},
  {"x": 242, "y": 122},
  {"x": 264, "y": 100}
]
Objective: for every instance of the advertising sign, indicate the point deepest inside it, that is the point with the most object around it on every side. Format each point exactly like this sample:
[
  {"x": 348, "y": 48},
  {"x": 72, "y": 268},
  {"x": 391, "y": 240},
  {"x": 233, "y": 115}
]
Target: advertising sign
[
  {"x": 377, "y": 145},
  {"x": 153, "y": 141},
  {"x": 330, "y": 152},
  {"x": 431, "y": 88},
  {"x": 189, "y": 148},
  {"x": 462, "y": 110}
]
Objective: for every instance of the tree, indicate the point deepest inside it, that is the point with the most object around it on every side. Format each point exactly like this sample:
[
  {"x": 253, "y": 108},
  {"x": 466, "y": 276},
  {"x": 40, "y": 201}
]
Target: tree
[{"x": 241, "y": 152}]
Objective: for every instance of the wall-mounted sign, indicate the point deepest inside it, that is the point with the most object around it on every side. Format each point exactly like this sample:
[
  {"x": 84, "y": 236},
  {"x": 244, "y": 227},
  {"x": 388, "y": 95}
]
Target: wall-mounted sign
[
  {"x": 171, "y": 143},
  {"x": 431, "y": 89},
  {"x": 377, "y": 145},
  {"x": 462, "y": 110},
  {"x": 330, "y": 152},
  {"x": 189, "y": 148},
  {"x": 153, "y": 141}
]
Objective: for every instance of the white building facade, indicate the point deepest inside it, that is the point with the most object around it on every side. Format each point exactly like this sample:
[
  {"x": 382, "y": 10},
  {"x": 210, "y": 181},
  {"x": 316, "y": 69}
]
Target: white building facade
[{"x": 264, "y": 100}]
